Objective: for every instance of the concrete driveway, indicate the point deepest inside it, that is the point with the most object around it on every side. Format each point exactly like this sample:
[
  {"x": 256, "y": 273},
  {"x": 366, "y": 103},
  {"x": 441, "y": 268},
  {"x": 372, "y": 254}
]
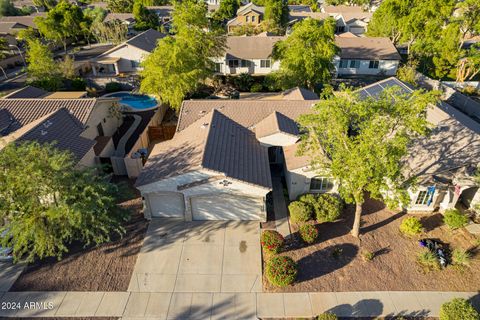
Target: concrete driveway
[
  {"x": 9, "y": 273},
  {"x": 199, "y": 256}
]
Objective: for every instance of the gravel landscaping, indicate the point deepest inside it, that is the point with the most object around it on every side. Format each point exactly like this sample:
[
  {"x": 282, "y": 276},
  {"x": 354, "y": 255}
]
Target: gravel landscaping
[
  {"x": 105, "y": 268},
  {"x": 336, "y": 261}
]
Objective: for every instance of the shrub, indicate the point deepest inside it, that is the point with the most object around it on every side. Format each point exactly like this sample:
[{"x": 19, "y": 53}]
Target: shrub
[
  {"x": 368, "y": 255},
  {"x": 327, "y": 316},
  {"x": 458, "y": 309},
  {"x": 428, "y": 260},
  {"x": 243, "y": 81},
  {"x": 308, "y": 232},
  {"x": 328, "y": 207},
  {"x": 78, "y": 84},
  {"x": 454, "y": 219},
  {"x": 460, "y": 257},
  {"x": 281, "y": 271},
  {"x": 411, "y": 226},
  {"x": 470, "y": 90},
  {"x": 271, "y": 241},
  {"x": 256, "y": 87},
  {"x": 113, "y": 87},
  {"x": 300, "y": 211}
]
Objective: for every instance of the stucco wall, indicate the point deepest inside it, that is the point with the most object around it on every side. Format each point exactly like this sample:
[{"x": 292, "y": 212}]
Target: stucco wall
[
  {"x": 254, "y": 69},
  {"x": 88, "y": 160},
  {"x": 127, "y": 54},
  {"x": 298, "y": 182},
  {"x": 101, "y": 114},
  {"x": 386, "y": 67}
]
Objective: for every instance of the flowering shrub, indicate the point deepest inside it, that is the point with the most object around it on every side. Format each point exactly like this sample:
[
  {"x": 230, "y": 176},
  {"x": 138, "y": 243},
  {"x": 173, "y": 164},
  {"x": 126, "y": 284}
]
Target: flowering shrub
[
  {"x": 271, "y": 241},
  {"x": 281, "y": 271},
  {"x": 300, "y": 211},
  {"x": 308, "y": 233},
  {"x": 411, "y": 226}
]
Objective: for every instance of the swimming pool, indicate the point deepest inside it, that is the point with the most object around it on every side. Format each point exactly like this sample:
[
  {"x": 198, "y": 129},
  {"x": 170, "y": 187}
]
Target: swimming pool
[{"x": 137, "y": 102}]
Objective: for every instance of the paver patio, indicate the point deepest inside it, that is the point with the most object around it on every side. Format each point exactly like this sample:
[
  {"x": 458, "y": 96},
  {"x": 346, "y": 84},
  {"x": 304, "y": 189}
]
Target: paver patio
[{"x": 199, "y": 256}]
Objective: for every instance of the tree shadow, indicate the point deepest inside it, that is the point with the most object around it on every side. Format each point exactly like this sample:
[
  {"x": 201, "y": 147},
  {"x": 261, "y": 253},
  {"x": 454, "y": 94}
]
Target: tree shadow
[
  {"x": 325, "y": 261},
  {"x": 431, "y": 222},
  {"x": 383, "y": 222},
  {"x": 382, "y": 251},
  {"x": 363, "y": 308}
]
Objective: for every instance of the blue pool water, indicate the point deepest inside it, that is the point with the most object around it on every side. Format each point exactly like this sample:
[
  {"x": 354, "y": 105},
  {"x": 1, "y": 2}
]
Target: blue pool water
[{"x": 135, "y": 101}]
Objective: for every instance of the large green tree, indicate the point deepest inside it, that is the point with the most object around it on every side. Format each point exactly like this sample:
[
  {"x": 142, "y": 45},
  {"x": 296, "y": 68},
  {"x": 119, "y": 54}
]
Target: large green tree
[
  {"x": 42, "y": 70},
  {"x": 120, "y": 6},
  {"x": 306, "y": 55},
  {"x": 62, "y": 22},
  {"x": 144, "y": 19},
  {"x": 361, "y": 143},
  {"x": 276, "y": 15},
  {"x": 47, "y": 202},
  {"x": 226, "y": 11},
  {"x": 178, "y": 64}
]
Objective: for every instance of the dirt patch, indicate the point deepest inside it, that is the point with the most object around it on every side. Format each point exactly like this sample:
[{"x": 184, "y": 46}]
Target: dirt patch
[
  {"x": 107, "y": 267},
  {"x": 335, "y": 262}
]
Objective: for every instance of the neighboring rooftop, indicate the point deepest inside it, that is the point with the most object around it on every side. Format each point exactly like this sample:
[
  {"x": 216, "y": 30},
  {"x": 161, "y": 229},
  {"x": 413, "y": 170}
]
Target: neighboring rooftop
[
  {"x": 147, "y": 40},
  {"x": 27, "y": 92},
  {"x": 342, "y": 9},
  {"x": 364, "y": 48},
  {"x": 250, "y": 6},
  {"x": 251, "y": 47},
  {"x": 276, "y": 123},
  {"x": 299, "y": 93},
  {"x": 67, "y": 95},
  {"x": 24, "y": 20},
  {"x": 127, "y": 17}
]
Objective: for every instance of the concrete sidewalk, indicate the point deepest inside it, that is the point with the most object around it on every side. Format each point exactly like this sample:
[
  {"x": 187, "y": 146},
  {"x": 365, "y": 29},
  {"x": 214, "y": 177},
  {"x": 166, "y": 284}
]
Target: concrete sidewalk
[
  {"x": 280, "y": 207},
  {"x": 139, "y": 305}
]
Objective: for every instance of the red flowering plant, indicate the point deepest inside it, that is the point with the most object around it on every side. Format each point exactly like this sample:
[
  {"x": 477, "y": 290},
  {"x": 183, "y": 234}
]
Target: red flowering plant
[
  {"x": 271, "y": 241},
  {"x": 308, "y": 232},
  {"x": 281, "y": 271}
]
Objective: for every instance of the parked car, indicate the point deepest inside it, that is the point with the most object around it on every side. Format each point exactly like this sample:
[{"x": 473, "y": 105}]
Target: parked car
[{"x": 5, "y": 253}]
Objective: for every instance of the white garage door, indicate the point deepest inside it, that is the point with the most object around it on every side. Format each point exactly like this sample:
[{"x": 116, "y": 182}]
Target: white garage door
[
  {"x": 166, "y": 205},
  {"x": 227, "y": 207}
]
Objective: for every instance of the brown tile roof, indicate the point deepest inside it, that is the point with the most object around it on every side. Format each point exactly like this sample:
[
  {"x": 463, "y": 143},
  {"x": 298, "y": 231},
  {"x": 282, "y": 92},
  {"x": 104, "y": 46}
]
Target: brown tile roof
[
  {"x": 250, "y": 6},
  {"x": 25, "y": 111},
  {"x": 62, "y": 129},
  {"x": 299, "y": 93},
  {"x": 25, "y": 20},
  {"x": 297, "y": 16},
  {"x": 119, "y": 16},
  {"x": 364, "y": 48},
  {"x": 292, "y": 161},
  {"x": 251, "y": 47},
  {"x": 27, "y": 92},
  {"x": 11, "y": 27},
  {"x": 213, "y": 142},
  {"x": 275, "y": 123},
  {"x": 342, "y": 9},
  {"x": 247, "y": 113}
]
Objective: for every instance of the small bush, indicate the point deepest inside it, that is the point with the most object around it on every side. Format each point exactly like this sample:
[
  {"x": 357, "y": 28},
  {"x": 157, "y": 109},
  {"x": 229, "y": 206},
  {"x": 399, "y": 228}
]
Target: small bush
[
  {"x": 281, "y": 271},
  {"x": 328, "y": 208},
  {"x": 428, "y": 260},
  {"x": 256, "y": 87},
  {"x": 458, "y": 309},
  {"x": 300, "y": 211},
  {"x": 308, "y": 232},
  {"x": 454, "y": 219},
  {"x": 113, "y": 87},
  {"x": 327, "y": 316},
  {"x": 411, "y": 226},
  {"x": 78, "y": 84},
  {"x": 271, "y": 241},
  {"x": 243, "y": 81},
  {"x": 470, "y": 90},
  {"x": 368, "y": 255},
  {"x": 461, "y": 257}
]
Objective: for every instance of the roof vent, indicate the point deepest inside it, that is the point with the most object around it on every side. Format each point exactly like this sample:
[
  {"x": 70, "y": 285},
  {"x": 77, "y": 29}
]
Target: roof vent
[
  {"x": 202, "y": 112},
  {"x": 43, "y": 132},
  {"x": 47, "y": 124},
  {"x": 204, "y": 126}
]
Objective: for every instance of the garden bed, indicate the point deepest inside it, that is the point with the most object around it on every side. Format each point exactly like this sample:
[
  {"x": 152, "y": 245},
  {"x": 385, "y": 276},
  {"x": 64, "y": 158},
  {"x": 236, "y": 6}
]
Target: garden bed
[
  {"x": 105, "y": 268},
  {"x": 335, "y": 261}
]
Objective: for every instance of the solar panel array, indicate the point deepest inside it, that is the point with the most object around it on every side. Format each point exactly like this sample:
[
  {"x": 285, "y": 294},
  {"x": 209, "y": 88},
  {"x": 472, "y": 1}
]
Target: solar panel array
[{"x": 375, "y": 89}]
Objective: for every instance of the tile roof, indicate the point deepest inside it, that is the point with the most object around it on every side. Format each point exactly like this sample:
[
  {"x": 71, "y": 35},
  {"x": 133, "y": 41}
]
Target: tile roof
[
  {"x": 251, "y": 47},
  {"x": 292, "y": 160},
  {"x": 367, "y": 48},
  {"x": 119, "y": 16},
  {"x": 342, "y": 9},
  {"x": 25, "y": 111},
  {"x": 247, "y": 113},
  {"x": 299, "y": 93},
  {"x": 62, "y": 129},
  {"x": 25, "y": 20},
  {"x": 11, "y": 27},
  {"x": 301, "y": 15},
  {"x": 299, "y": 8},
  {"x": 276, "y": 123},
  {"x": 250, "y": 6},
  {"x": 213, "y": 142},
  {"x": 147, "y": 40},
  {"x": 26, "y": 93}
]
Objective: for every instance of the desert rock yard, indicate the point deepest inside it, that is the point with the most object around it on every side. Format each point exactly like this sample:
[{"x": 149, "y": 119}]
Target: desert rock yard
[
  {"x": 107, "y": 267},
  {"x": 335, "y": 261}
]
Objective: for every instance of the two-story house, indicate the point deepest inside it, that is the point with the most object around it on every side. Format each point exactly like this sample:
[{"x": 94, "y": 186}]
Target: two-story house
[{"x": 248, "y": 15}]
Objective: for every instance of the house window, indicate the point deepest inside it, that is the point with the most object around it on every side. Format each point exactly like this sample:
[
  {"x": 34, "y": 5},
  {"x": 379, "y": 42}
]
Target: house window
[
  {"x": 135, "y": 63},
  {"x": 218, "y": 67},
  {"x": 343, "y": 64},
  {"x": 247, "y": 18},
  {"x": 233, "y": 63},
  {"x": 373, "y": 64},
  {"x": 355, "y": 64},
  {"x": 422, "y": 198},
  {"x": 265, "y": 63},
  {"x": 323, "y": 184},
  {"x": 245, "y": 63},
  {"x": 253, "y": 18}
]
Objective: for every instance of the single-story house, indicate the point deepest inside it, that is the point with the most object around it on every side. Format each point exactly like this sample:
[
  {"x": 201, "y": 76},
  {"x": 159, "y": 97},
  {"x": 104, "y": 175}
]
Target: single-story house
[
  {"x": 22, "y": 22},
  {"x": 217, "y": 166},
  {"x": 248, "y": 54},
  {"x": 366, "y": 56},
  {"x": 126, "y": 57},
  {"x": 75, "y": 125},
  {"x": 443, "y": 163}
]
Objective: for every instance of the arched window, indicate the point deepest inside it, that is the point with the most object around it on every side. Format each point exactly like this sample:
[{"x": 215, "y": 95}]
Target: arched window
[{"x": 322, "y": 184}]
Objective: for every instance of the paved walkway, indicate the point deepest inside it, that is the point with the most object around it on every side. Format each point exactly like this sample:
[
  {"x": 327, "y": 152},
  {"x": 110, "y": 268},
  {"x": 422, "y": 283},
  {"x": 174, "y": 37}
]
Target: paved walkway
[
  {"x": 199, "y": 256},
  {"x": 280, "y": 207},
  {"x": 199, "y": 306},
  {"x": 9, "y": 273}
]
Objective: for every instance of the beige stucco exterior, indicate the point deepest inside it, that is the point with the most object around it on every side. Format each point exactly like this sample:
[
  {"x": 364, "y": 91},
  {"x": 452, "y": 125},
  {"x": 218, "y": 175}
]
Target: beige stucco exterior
[{"x": 298, "y": 182}]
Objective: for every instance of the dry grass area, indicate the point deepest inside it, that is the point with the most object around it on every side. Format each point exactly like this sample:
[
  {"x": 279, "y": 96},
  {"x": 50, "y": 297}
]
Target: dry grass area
[
  {"x": 107, "y": 267},
  {"x": 335, "y": 262}
]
